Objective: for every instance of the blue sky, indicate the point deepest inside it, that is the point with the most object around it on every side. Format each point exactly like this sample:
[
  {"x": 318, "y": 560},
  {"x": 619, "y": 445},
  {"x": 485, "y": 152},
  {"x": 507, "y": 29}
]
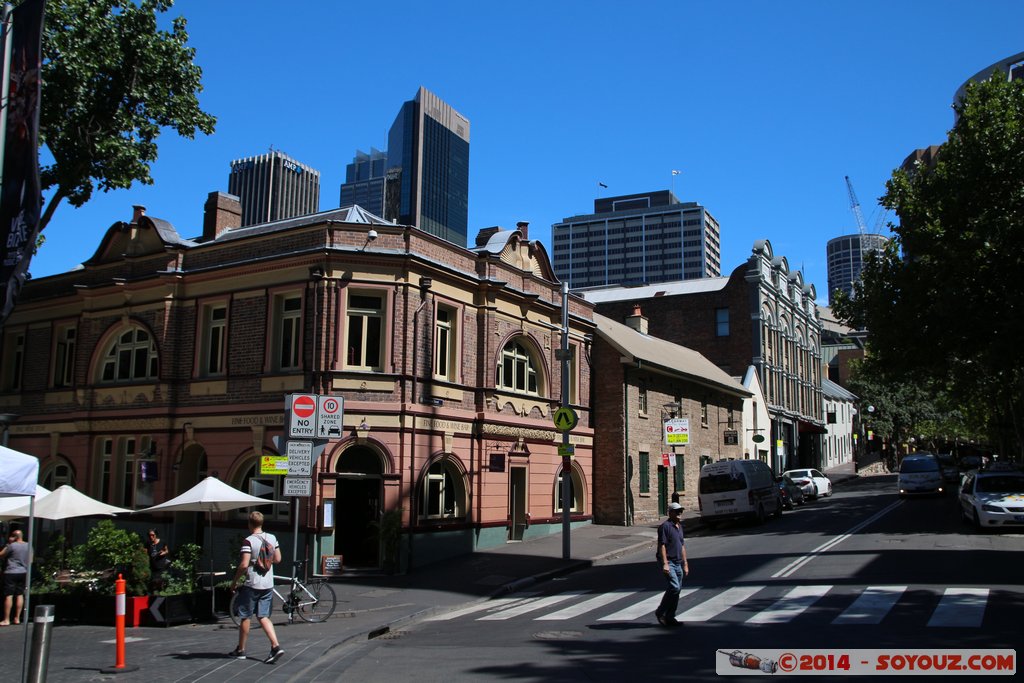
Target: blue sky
[{"x": 763, "y": 106}]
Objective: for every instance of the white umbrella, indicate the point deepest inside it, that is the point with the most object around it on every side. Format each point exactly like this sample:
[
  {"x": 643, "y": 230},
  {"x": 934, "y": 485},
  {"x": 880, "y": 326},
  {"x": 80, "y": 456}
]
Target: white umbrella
[
  {"x": 65, "y": 503},
  {"x": 211, "y": 495},
  {"x": 19, "y": 473},
  {"x": 9, "y": 504}
]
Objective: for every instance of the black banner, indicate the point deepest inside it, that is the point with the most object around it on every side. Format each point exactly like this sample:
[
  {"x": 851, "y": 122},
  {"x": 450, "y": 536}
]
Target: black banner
[{"x": 20, "y": 198}]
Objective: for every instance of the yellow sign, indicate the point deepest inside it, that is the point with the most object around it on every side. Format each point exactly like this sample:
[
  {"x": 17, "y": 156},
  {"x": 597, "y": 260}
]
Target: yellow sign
[
  {"x": 566, "y": 450},
  {"x": 274, "y": 464},
  {"x": 565, "y": 419}
]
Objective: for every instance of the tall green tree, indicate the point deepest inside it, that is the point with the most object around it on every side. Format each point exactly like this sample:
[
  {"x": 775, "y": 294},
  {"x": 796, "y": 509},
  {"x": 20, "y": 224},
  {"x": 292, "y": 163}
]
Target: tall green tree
[
  {"x": 112, "y": 82},
  {"x": 945, "y": 301}
]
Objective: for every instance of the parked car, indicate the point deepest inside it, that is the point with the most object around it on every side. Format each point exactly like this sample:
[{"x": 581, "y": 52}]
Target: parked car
[
  {"x": 791, "y": 494},
  {"x": 737, "y": 489},
  {"x": 993, "y": 497},
  {"x": 919, "y": 473},
  {"x": 969, "y": 462},
  {"x": 813, "y": 482},
  {"x": 950, "y": 472}
]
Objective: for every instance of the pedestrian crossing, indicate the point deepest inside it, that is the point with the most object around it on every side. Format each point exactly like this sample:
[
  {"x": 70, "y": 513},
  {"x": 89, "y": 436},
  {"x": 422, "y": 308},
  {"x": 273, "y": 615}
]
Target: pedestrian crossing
[{"x": 952, "y": 607}]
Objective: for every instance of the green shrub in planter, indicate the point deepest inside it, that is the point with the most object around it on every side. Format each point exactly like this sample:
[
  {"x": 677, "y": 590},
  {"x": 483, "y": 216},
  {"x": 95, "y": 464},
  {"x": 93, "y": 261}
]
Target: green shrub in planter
[
  {"x": 117, "y": 550},
  {"x": 183, "y": 573}
]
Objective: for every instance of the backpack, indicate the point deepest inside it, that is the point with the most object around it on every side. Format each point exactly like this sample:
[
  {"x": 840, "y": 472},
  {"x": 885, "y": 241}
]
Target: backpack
[{"x": 264, "y": 560}]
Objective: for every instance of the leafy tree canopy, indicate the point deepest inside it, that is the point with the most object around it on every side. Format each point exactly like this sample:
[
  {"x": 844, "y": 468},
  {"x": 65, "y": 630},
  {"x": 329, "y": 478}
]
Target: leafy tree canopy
[
  {"x": 112, "y": 81},
  {"x": 945, "y": 301}
]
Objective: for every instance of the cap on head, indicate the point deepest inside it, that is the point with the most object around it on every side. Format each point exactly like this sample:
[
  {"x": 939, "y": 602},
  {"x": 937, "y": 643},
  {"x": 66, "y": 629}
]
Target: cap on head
[{"x": 674, "y": 507}]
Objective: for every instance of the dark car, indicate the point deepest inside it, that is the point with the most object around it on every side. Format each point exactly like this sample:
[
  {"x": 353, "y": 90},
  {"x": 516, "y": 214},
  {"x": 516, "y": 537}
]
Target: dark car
[
  {"x": 791, "y": 494},
  {"x": 969, "y": 462},
  {"x": 950, "y": 472}
]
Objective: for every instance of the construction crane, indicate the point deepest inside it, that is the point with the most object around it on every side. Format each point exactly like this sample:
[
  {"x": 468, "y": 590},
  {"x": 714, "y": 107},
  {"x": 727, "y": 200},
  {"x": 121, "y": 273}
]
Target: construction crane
[{"x": 855, "y": 206}]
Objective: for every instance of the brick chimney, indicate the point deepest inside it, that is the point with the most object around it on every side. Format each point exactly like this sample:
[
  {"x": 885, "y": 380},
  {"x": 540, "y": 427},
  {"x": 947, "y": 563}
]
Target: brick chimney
[
  {"x": 637, "y": 321},
  {"x": 524, "y": 227},
  {"x": 221, "y": 212},
  {"x": 138, "y": 211}
]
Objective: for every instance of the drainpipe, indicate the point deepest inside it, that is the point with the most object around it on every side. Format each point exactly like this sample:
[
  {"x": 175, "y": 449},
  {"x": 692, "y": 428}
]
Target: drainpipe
[{"x": 425, "y": 284}]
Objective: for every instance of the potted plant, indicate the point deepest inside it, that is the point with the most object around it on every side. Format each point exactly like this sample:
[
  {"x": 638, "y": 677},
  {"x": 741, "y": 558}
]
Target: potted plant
[{"x": 180, "y": 601}]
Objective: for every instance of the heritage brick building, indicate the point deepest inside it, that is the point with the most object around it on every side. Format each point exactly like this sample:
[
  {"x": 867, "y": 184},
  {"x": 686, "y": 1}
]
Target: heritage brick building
[
  {"x": 761, "y": 315},
  {"x": 162, "y": 360}
]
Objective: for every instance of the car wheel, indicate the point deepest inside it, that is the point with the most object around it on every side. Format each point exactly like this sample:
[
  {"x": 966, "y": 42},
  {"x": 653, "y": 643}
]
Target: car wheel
[{"x": 829, "y": 489}]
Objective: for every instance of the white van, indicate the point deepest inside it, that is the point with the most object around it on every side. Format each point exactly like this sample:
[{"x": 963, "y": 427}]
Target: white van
[
  {"x": 737, "y": 489},
  {"x": 919, "y": 473}
]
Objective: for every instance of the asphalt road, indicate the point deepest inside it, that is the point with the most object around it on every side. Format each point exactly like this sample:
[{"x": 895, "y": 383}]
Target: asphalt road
[{"x": 862, "y": 569}]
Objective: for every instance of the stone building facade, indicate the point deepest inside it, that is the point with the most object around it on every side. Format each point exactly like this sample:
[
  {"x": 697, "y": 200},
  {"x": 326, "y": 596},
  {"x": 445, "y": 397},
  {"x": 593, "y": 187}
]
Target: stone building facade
[
  {"x": 162, "y": 360},
  {"x": 761, "y": 315}
]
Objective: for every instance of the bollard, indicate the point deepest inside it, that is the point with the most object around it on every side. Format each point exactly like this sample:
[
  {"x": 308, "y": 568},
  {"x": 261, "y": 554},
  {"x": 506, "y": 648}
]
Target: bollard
[
  {"x": 42, "y": 625},
  {"x": 119, "y": 609}
]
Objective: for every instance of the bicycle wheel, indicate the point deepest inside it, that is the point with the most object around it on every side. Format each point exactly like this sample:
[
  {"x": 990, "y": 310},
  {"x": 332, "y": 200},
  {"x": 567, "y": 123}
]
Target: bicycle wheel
[
  {"x": 320, "y": 603},
  {"x": 233, "y": 609}
]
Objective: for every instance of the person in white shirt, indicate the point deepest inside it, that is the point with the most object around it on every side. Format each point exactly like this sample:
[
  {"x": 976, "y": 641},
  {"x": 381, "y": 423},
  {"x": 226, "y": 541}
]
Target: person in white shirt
[{"x": 257, "y": 591}]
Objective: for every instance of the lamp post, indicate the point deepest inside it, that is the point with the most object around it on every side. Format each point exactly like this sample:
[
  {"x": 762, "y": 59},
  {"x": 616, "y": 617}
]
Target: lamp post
[{"x": 6, "y": 419}]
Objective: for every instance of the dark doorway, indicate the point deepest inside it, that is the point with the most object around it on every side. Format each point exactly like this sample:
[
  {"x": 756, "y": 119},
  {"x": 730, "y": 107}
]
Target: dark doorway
[{"x": 358, "y": 508}]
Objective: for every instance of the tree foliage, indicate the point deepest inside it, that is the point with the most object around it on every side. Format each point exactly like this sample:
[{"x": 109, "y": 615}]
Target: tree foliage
[
  {"x": 944, "y": 301},
  {"x": 112, "y": 82}
]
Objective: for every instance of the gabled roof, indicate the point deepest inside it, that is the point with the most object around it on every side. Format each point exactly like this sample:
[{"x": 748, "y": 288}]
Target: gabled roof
[
  {"x": 830, "y": 389},
  {"x": 145, "y": 237},
  {"x": 673, "y": 358},
  {"x": 602, "y": 294}
]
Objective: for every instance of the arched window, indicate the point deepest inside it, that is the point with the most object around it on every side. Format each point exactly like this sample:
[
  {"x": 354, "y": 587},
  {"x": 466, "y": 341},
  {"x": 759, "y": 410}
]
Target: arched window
[
  {"x": 57, "y": 475},
  {"x": 264, "y": 486},
  {"x": 132, "y": 356},
  {"x": 444, "y": 491},
  {"x": 576, "y": 491},
  {"x": 517, "y": 369}
]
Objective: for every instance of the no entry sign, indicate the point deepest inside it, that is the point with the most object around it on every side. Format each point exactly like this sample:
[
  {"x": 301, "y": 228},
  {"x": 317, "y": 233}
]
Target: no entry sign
[{"x": 302, "y": 416}]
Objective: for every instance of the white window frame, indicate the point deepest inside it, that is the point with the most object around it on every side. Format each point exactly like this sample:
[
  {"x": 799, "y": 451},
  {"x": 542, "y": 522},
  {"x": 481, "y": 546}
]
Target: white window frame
[
  {"x": 516, "y": 358},
  {"x": 213, "y": 340},
  {"x": 446, "y": 343},
  {"x": 359, "y": 338},
  {"x": 287, "y": 342},
  {"x": 444, "y": 491},
  {"x": 576, "y": 491},
  {"x": 119, "y": 363},
  {"x": 64, "y": 356}
]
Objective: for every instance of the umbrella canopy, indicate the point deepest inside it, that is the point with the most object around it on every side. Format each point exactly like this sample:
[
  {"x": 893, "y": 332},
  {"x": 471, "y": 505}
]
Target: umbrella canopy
[
  {"x": 65, "y": 503},
  {"x": 18, "y": 473},
  {"x": 211, "y": 495},
  {"x": 8, "y": 505}
]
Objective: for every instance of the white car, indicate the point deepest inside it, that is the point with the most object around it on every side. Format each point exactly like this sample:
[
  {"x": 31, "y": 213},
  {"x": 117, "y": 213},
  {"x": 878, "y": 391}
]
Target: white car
[
  {"x": 813, "y": 482},
  {"x": 993, "y": 498}
]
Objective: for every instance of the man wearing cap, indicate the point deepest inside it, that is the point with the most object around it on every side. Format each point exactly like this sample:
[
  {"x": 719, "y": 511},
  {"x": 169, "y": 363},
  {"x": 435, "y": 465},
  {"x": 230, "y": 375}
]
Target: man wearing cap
[{"x": 672, "y": 557}]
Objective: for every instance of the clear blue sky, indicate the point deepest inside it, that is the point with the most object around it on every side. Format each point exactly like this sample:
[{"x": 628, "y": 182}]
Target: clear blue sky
[{"x": 763, "y": 106}]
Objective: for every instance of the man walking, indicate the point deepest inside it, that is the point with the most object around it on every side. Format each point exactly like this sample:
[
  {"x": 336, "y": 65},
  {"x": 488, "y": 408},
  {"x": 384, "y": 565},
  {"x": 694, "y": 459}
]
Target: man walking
[
  {"x": 255, "y": 596},
  {"x": 672, "y": 557},
  {"x": 17, "y": 554}
]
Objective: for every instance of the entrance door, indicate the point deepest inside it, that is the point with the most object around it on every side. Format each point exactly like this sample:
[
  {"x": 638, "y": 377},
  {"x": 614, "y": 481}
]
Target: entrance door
[
  {"x": 357, "y": 511},
  {"x": 516, "y": 503},
  {"x": 662, "y": 490}
]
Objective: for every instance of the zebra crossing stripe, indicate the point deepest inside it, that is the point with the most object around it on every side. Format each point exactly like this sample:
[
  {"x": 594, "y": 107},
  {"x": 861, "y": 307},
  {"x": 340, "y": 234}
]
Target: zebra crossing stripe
[
  {"x": 871, "y": 606},
  {"x": 718, "y": 604},
  {"x": 790, "y": 605},
  {"x": 963, "y": 607},
  {"x": 644, "y": 608},
  {"x": 586, "y": 606},
  {"x": 531, "y": 606},
  {"x": 498, "y": 604}
]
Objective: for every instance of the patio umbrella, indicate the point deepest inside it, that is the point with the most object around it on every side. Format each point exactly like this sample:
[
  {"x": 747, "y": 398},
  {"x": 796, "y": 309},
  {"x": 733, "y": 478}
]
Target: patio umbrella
[
  {"x": 19, "y": 473},
  {"x": 13, "y": 503},
  {"x": 211, "y": 495},
  {"x": 65, "y": 503}
]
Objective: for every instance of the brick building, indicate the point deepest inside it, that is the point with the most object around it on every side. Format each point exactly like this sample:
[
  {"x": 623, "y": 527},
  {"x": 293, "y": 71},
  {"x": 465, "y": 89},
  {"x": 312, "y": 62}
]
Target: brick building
[
  {"x": 172, "y": 357},
  {"x": 761, "y": 315},
  {"x": 643, "y": 382}
]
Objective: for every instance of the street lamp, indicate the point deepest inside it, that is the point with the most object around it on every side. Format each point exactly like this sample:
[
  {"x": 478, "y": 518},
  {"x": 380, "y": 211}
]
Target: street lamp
[{"x": 6, "y": 419}]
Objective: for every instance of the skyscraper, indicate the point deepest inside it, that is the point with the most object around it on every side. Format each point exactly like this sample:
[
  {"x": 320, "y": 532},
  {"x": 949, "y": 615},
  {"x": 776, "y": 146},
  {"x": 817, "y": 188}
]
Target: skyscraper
[
  {"x": 426, "y": 178},
  {"x": 637, "y": 239},
  {"x": 274, "y": 186},
  {"x": 846, "y": 255}
]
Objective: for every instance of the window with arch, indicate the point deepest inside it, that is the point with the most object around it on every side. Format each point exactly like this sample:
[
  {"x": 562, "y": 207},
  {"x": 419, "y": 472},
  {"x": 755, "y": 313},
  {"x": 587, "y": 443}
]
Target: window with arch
[
  {"x": 58, "y": 475},
  {"x": 517, "y": 369},
  {"x": 576, "y": 490},
  {"x": 131, "y": 356},
  {"x": 444, "y": 491},
  {"x": 263, "y": 486}
]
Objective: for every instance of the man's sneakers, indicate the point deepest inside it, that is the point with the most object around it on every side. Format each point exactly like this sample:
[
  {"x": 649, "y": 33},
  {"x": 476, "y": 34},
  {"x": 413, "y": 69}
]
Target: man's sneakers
[
  {"x": 667, "y": 621},
  {"x": 237, "y": 653},
  {"x": 275, "y": 654}
]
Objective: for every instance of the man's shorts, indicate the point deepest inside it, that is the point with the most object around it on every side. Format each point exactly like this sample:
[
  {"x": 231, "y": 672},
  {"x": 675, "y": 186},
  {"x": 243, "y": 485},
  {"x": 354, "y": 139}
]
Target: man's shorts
[
  {"x": 14, "y": 584},
  {"x": 254, "y": 601}
]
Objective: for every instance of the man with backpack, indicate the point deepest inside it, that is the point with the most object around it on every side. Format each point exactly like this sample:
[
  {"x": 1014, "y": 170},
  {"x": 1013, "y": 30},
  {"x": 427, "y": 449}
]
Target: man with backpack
[{"x": 260, "y": 552}]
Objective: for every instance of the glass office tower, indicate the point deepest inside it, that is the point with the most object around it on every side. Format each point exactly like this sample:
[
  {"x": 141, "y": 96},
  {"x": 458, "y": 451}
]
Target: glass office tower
[{"x": 273, "y": 187}]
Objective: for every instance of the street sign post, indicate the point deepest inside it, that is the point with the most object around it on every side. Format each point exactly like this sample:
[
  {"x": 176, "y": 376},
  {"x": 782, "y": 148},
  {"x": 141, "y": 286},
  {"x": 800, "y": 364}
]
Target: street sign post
[
  {"x": 302, "y": 411},
  {"x": 298, "y": 487},
  {"x": 565, "y": 419},
  {"x": 300, "y": 458},
  {"x": 329, "y": 414}
]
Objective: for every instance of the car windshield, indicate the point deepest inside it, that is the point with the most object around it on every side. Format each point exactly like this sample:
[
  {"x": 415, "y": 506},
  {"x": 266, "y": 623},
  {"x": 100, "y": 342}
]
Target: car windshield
[
  {"x": 720, "y": 483},
  {"x": 1002, "y": 484},
  {"x": 919, "y": 465}
]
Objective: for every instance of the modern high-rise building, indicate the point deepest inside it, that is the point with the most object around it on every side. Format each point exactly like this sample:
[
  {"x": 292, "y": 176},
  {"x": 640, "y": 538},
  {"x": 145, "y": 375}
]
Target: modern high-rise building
[
  {"x": 637, "y": 239},
  {"x": 365, "y": 181},
  {"x": 274, "y": 186},
  {"x": 846, "y": 256},
  {"x": 425, "y": 180}
]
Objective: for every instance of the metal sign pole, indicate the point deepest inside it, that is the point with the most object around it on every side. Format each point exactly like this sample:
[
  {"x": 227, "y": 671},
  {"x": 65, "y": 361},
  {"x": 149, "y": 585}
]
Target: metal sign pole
[{"x": 566, "y": 459}]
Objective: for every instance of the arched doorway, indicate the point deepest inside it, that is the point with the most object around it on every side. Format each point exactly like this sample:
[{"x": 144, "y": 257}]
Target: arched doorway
[{"x": 359, "y": 502}]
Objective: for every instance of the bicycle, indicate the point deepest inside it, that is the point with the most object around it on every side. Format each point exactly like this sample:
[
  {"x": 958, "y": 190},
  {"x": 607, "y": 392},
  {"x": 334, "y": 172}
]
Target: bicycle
[{"x": 313, "y": 600}]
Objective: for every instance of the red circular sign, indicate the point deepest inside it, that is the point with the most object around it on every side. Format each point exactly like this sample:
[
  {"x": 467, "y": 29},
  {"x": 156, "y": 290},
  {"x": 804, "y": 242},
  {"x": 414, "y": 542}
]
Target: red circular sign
[{"x": 304, "y": 406}]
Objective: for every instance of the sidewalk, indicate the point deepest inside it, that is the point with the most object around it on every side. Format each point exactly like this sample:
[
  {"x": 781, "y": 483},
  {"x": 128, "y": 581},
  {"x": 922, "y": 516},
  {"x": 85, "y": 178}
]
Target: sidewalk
[{"x": 367, "y": 605}]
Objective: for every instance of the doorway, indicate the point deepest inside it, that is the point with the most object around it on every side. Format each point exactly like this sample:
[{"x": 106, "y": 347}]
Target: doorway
[
  {"x": 516, "y": 503},
  {"x": 358, "y": 507},
  {"x": 662, "y": 490}
]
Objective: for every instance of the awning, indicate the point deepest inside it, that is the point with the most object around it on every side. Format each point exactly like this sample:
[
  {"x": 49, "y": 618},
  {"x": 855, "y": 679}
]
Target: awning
[{"x": 811, "y": 428}]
